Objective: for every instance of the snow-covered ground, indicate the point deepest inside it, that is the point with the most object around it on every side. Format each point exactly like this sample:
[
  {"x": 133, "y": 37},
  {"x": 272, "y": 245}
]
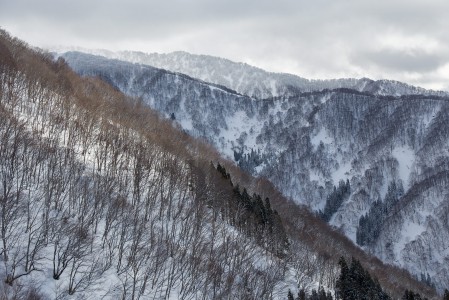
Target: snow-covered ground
[{"x": 406, "y": 158}]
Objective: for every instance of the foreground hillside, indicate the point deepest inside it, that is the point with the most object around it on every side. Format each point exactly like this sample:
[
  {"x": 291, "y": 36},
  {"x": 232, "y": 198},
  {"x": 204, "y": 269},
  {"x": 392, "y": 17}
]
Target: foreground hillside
[
  {"x": 101, "y": 199},
  {"x": 373, "y": 166}
]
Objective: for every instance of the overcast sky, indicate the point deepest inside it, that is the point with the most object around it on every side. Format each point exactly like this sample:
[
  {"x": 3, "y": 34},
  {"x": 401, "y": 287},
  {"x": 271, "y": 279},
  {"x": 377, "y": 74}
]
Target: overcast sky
[{"x": 392, "y": 39}]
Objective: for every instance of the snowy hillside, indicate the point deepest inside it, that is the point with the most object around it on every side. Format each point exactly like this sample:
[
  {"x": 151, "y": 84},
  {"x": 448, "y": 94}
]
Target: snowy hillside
[
  {"x": 390, "y": 150},
  {"x": 100, "y": 198},
  {"x": 252, "y": 81},
  {"x": 96, "y": 204}
]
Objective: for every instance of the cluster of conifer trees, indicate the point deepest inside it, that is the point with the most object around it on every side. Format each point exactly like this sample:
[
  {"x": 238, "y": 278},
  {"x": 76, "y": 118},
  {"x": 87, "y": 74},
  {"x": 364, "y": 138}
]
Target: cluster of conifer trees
[
  {"x": 335, "y": 199},
  {"x": 370, "y": 224},
  {"x": 355, "y": 283},
  {"x": 249, "y": 161},
  {"x": 255, "y": 217},
  {"x": 315, "y": 295}
]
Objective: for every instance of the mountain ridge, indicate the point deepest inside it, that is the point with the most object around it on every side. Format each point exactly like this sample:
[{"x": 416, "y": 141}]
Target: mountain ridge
[
  {"x": 306, "y": 144},
  {"x": 103, "y": 198},
  {"x": 253, "y": 81}
]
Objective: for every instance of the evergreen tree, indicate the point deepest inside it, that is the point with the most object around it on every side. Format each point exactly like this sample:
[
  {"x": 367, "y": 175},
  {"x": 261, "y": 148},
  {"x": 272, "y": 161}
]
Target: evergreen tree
[
  {"x": 355, "y": 283},
  {"x": 335, "y": 200},
  {"x": 301, "y": 294},
  {"x": 370, "y": 224},
  {"x": 314, "y": 295},
  {"x": 410, "y": 295},
  {"x": 246, "y": 200},
  {"x": 269, "y": 215},
  {"x": 290, "y": 295},
  {"x": 446, "y": 295},
  {"x": 342, "y": 284},
  {"x": 257, "y": 219},
  {"x": 322, "y": 294},
  {"x": 223, "y": 172}
]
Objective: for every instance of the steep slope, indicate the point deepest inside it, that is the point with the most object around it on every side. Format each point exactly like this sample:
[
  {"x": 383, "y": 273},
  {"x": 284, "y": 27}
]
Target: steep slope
[
  {"x": 255, "y": 82},
  {"x": 100, "y": 198},
  {"x": 307, "y": 144}
]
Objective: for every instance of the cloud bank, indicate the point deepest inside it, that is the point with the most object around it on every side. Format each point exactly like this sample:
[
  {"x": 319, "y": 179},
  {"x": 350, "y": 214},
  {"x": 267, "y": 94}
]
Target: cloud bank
[{"x": 400, "y": 40}]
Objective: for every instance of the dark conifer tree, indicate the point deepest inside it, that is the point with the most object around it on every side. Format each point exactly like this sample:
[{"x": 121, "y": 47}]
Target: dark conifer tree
[
  {"x": 446, "y": 295},
  {"x": 269, "y": 215},
  {"x": 370, "y": 224},
  {"x": 322, "y": 294},
  {"x": 314, "y": 295},
  {"x": 290, "y": 295},
  {"x": 335, "y": 200},
  {"x": 301, "y": 294},
  {"x": 355, "y": 283},
  {"x": 342, "y": 285}
]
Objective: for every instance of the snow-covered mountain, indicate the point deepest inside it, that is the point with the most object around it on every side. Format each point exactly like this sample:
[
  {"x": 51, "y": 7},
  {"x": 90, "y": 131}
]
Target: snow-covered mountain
[
  {"x": 255, "y": 82},
  {"x": 389, "y": 151},
  {"x": 101, "y": 198}
]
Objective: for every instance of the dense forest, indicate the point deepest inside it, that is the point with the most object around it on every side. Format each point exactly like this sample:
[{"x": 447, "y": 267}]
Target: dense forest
[{"x": 100, "y": 197}]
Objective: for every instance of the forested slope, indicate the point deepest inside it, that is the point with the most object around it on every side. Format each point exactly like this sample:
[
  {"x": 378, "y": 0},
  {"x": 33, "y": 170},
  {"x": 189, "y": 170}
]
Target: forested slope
[
  {"x": 374, "y": 166},
  {"x": 100, "y": 198}
]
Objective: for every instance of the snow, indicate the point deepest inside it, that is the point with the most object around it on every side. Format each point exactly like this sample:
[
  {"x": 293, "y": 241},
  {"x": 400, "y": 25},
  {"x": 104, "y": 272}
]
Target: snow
[
  {"x": 341, "y": 173},
  {"x": 259, "y": 168},
  {"x": 186, "y": 124},
  {"x": 406, "y": 158},
  {"x": 273, "y": 87},
  {"x": 239, "y": 123},
  {"x": 322, "y": 136},
  {"x": 338, "y": 154},
  {"x": 276, "y": 108},
  {"x": 314, "y": 176},
  {"x": 409, "y": 233},
  {"x": 412, "y": 230}
]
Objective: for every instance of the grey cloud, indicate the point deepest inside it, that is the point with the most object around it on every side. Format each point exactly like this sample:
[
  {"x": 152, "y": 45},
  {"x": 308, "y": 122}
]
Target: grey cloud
[
  {"x": 408, "y": 61},
  {"x": 311, "y": 38}
]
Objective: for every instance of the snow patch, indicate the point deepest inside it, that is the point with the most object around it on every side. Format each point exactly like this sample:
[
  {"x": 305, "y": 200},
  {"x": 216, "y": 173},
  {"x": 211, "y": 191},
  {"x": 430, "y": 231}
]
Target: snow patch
[
  {"x": 409, "y": 233},
  {"x": 322, "y": 136},
  {"x": 314, "y": 176},
  {"x": 240, "y": 125},
  {"x": 341, "y": 173},
  {"x": 406, "y": 158},
  {"x": 186, "y": 124}
]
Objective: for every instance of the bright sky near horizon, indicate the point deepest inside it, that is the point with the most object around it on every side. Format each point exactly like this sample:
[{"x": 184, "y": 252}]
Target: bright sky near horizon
[{"x": 380, "y": 39}]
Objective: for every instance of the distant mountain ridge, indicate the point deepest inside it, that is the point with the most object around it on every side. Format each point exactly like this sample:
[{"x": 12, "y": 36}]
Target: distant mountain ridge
[{"x": 255, "y": 82}]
